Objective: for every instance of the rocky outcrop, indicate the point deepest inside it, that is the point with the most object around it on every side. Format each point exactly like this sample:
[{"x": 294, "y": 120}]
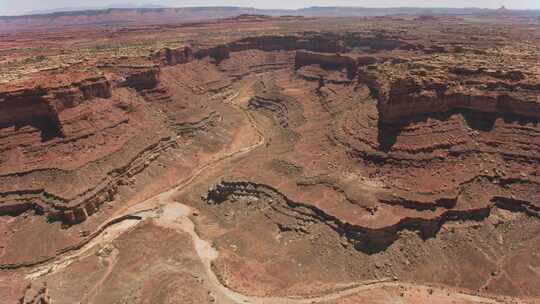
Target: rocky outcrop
[
  {"x": 167, "y": 56},
  {"x": 69, "y": 120},
  {"x": 142, "y": 78},
  {"x": 503, "y": 93},
  {"x": 263, "y": 43},
  {"x": 365, "y": 238},
  {"x": 313, "y": 42},
  {"x": 41, "y": 260},
  {"x": 405, "y": 98},
  {"x": 90, "y": 88},
  {"x": 284, "y": 110},
  {"x": 312, "y": 48},
  {"x": 40, "y": 106},
  {"x": 36, "y": 296},
  {"x": 376, "y": 42},
  {"x": 20, "y": 104},
  {"x": 77, "y": 209},
  {"x": 326, "y": 61},
  {"x": 204, "y": 125},
  {"x": 73, "y": 211}
]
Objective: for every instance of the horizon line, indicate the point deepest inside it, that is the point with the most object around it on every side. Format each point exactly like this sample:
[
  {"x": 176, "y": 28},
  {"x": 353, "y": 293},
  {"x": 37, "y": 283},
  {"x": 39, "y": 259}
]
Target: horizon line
[{"x": 75, "y": 9}]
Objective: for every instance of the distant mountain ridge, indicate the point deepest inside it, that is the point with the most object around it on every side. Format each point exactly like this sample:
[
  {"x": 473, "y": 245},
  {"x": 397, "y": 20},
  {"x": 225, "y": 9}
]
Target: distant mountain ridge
[
  {"x": 163, "y": 15},
  {"x": 91, "y": 8}
]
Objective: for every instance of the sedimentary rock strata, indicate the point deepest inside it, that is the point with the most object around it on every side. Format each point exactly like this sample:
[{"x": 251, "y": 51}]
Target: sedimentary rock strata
[{"x": 175, "y": 56}]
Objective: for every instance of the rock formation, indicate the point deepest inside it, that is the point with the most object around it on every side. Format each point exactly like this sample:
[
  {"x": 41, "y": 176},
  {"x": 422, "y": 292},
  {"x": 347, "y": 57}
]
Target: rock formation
[
  {"x": 40, "y": 106},
  {"x": 176, "y": 56}
]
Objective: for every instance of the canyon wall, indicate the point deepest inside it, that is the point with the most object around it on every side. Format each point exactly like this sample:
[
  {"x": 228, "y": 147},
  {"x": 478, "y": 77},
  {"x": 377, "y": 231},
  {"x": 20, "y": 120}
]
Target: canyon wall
[
  {"x": 40, "y": 106},
  {"x": 419, "y": 95}
]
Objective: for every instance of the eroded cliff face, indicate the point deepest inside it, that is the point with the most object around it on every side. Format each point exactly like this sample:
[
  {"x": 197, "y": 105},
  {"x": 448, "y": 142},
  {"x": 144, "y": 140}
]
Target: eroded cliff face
[
  {"x": 418, "y": 91},
  {"x": 52, "y": 127},
  {"x": 326, "y": 61},
  {"x": 40, "y": 107},
  {"x": 143, "y": 78},
  {"x": 167, "y": 56},
  {"x": 313, "y": 42}
]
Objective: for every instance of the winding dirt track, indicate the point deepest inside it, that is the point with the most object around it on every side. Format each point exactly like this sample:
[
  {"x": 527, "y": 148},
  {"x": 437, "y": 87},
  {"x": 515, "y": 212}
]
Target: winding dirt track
[{"x": 173, "y": 215}]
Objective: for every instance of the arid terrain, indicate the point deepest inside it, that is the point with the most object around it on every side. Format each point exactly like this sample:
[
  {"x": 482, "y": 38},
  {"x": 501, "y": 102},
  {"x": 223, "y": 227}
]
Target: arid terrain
[{"x": 258, "y": 159}]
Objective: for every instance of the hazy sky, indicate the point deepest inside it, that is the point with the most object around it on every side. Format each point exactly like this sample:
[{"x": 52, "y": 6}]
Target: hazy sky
[{"x": 9, "y": 7}]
